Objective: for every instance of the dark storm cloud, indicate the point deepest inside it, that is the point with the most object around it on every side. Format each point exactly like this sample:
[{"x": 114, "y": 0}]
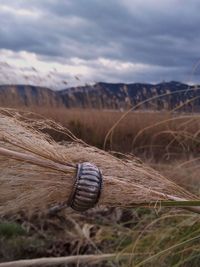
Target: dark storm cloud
[{"x": 162, "y": 34}]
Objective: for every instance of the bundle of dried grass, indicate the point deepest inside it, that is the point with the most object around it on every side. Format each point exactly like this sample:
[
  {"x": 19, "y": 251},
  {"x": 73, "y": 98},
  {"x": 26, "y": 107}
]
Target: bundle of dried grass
[{"x": 37, "y": 172}]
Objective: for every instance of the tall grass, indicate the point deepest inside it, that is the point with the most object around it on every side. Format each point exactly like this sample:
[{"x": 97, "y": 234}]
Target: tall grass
[{"x": 157, "y": 135}]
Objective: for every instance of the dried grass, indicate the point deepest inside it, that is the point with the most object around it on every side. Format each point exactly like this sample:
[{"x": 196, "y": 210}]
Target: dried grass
[
  {"x": 44, "y": 173},
  {"x": 151, "y": 135},
  {"x": 83, "y": 259}
]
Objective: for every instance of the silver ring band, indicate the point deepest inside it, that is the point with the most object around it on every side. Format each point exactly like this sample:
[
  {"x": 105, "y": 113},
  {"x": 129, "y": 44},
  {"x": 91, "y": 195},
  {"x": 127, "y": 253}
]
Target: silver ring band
[{"x": 87, "y": 187}]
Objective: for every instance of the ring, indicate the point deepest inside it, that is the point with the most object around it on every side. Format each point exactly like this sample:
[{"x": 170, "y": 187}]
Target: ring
[{"x": 87, "y": 187}]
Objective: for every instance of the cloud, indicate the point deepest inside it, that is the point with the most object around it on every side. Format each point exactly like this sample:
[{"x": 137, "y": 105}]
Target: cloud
[{"x": 116, "y": 40}]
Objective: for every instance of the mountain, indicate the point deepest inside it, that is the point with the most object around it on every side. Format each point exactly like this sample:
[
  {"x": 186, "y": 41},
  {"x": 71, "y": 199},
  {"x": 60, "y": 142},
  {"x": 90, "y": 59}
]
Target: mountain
[
  {"x": 165, "y": 95},
  {"x": 25, "y": 95}
]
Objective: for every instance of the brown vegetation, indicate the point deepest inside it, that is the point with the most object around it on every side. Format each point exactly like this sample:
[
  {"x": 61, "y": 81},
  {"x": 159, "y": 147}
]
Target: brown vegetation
[
  {"x": 168, "y": 142},
  {"x": 152, "y": 135}
]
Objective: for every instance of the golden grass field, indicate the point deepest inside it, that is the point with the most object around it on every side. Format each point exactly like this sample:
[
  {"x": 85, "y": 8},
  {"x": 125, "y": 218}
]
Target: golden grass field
[
  {"x": 170, "y": 143},
  {"x": 163, "y": 134}
]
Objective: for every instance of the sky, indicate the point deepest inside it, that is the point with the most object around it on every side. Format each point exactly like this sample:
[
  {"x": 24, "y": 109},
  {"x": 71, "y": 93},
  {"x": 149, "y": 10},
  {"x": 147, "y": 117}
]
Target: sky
[{"x": 63, "y": 43}]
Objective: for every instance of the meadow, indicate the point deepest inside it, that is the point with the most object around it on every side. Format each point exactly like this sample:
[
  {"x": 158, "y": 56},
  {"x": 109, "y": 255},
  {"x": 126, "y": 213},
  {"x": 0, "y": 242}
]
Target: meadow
[{"x": 167, "y": 141}]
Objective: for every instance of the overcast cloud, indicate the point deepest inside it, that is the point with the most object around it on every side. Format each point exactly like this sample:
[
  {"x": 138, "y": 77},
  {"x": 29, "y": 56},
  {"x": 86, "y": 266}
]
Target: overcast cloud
[{"x": 52, "y": 42}]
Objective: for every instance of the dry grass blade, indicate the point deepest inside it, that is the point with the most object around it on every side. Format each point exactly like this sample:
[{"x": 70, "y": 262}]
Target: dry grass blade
[
  {"x": 111, "y": 130},
  {"x": 89, "y": 259},
  {"x": 168, "y": 249},
  {"x": 46, "y": 174}
]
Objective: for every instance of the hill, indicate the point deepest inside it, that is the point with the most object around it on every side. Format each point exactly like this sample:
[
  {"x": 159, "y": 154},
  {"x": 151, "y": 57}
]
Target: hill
[{"x": 166, "y": 96}]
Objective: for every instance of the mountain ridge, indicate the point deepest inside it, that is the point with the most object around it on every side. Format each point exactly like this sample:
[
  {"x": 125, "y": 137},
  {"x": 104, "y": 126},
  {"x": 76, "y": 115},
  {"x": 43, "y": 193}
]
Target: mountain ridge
[{"x": 165, "y": 96}]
